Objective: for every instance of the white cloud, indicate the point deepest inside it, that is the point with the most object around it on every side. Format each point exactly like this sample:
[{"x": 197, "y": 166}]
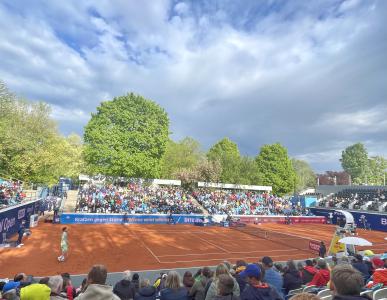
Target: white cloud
[{"x": 292, "y": 76}]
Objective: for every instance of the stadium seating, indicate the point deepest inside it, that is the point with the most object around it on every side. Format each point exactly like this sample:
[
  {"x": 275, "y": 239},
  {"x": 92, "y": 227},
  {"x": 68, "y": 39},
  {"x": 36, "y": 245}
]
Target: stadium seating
[
  {"x": 361, "y": 199},
  {"x": 11, "y": 193}
]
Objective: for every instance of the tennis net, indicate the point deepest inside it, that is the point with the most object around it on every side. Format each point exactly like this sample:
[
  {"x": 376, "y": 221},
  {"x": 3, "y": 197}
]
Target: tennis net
[{"x": 288, "y": 240}]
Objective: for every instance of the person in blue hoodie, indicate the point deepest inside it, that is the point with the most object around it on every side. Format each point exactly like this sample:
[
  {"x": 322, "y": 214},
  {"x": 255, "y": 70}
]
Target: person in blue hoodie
[
  {"x": 256, "y": 289},
  {"x": 272, "y": 276}
]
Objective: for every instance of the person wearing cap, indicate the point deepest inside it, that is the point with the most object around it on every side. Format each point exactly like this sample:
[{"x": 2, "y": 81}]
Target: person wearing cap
[
  {"x": 9, "y": 289},
  {"x": 256, "y": 289},
  {"x": 272, "y": 276},
  {"x": 380, "y": 273},
  {"x": 321, "y": 278},
  {"x": 359, "y": 265}
]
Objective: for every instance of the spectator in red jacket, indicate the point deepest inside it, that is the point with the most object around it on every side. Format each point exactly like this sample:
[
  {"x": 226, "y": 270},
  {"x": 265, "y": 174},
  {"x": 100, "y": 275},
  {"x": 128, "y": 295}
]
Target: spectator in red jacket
[
  {"x": 308, "y": 271},
  {"x": 321, "y": 278}
]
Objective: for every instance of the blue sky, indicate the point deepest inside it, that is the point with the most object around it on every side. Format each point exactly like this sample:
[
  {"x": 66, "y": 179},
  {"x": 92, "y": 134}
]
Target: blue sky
[{"x": 309, "y": 74}]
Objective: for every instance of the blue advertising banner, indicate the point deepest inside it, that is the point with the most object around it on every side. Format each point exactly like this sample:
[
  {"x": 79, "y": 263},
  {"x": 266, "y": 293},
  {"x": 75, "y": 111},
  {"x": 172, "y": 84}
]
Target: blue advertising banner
[
  {"x": 376, "y": 221},
  {"x": 79, "y": 218},
  {"x": 11, "y": 218}
]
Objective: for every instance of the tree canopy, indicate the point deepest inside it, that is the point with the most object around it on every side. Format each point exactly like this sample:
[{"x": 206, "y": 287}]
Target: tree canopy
[
  {"x": 127, "y": 137},
  {"x": 31, "y": 148},
  {"x": 354, "y": 160},
  {"x": 227, "y": 153},
  {"x": 180, "y": 156},
  {"x": 276, "y": 168},
  {"x": 305, "y": 177}
]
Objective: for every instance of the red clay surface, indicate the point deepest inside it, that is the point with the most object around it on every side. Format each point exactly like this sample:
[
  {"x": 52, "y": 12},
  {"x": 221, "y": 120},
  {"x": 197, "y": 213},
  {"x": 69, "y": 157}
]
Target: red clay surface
[{"x": 150, "y": 247}]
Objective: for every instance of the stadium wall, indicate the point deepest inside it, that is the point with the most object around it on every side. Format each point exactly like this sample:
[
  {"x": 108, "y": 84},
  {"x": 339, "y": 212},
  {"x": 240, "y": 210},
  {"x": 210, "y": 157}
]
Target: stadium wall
[
  {"x": 377, "y": 221},
  {"x": 11, "y": 218},
  {"x": 79, "y": 218}
]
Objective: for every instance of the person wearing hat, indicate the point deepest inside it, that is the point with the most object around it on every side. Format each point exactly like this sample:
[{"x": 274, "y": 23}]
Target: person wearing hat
[
  {"x": 359, "y": 265},
  {"x": 9, "y": 289},
  {"x": 380, "y": 273},
  {"x": 256, "y": 289},
  {"x": 272, "y": 276}
]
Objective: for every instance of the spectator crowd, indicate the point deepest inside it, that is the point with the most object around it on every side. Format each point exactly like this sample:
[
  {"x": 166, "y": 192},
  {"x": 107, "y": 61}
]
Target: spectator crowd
[
  {"x": 341, "y": 279},
  {"x": 142, "y": 199},
  {"x": 136, "y": 198},
  {"x": 11, "y": 193},
  {"x": 244, "y": 203}
]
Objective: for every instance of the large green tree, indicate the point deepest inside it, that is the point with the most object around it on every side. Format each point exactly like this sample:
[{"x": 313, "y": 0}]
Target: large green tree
[
  {"x": 354, "y": 160},
  {"x": 276, "y": 168},
  {"x": 305, "y": 177},
  {"x": 249, "y": 172},
  {"x": 126, "y": 137},
  {"x": 180, "y": 156},
  {"x": 31, "y": 148},
  {"x": 227, "y": 153},
  {"x": 377, "y": 166}
]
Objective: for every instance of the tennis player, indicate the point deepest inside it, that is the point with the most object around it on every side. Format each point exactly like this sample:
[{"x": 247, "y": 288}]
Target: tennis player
[{"x": 64, "y": 245}]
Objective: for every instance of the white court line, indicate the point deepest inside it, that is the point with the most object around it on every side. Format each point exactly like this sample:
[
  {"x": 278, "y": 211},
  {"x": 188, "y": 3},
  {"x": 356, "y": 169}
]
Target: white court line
[
  {"x": 147, "y": 248},
  {"x": 208, "y": 242},
  {"x": 216, "y": 259},
  {"x": 231, "y": 252}
]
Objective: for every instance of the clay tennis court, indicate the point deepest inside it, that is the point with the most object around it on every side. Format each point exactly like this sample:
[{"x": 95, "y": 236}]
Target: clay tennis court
[{"x": 150, "y": 247}]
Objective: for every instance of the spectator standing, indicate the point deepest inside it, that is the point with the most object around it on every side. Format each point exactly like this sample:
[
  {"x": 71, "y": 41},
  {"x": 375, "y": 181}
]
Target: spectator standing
[
  {"x": 173, "y": 288},
  {"x": 256, "y": 289},
  {"x": 323, "y": 250},
  {"x": 213, "y": 289},
  {"x": 124, "y": 288},
  {"x": 346, "y": 283},
  {"x": 272, "y": 277},
  {"x": 322, "y": 276},
  {"x": 146, "y": 291},
  {"x": 308, "y": 271},
  {"x": 136, "y": 281},
  {"x": 292, "y": 277},
  {"x": 225, "y": 288},
  {"x": 198, "y": 289},
  {"x": 96, "y": 285}
]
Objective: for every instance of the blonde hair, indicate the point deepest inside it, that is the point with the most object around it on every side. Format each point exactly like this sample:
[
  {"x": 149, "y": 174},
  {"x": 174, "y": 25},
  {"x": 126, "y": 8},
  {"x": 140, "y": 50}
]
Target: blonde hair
[
  {"x": 305, "y": 296},
  {"x": 173, "y": 280},
  {"x": 221, "y": 269},
  {"x": 144, "y": 283}
]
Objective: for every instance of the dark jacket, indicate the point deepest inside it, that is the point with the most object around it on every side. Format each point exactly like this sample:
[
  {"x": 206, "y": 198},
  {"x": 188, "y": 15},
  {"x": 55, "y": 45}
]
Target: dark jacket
[
  {"x": 146, "y": 293},
  {"x": 170, "y": 294},
  {"x": 124, "y": 289},
  {"x": 322, "y": 251},
  {"x": 308, "y": 274},
  {"x": 136, "y": 284},
  {"x": 241, "y": 281},
  {"x": 362, "y": 268},
  {"x": 347, "y": 297},
  {"x": 292, "y": 280},
  {"x": 197, "y": 291},
  {"x": 263, "y": 292},
  {"x": 227, "y": 297}
]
